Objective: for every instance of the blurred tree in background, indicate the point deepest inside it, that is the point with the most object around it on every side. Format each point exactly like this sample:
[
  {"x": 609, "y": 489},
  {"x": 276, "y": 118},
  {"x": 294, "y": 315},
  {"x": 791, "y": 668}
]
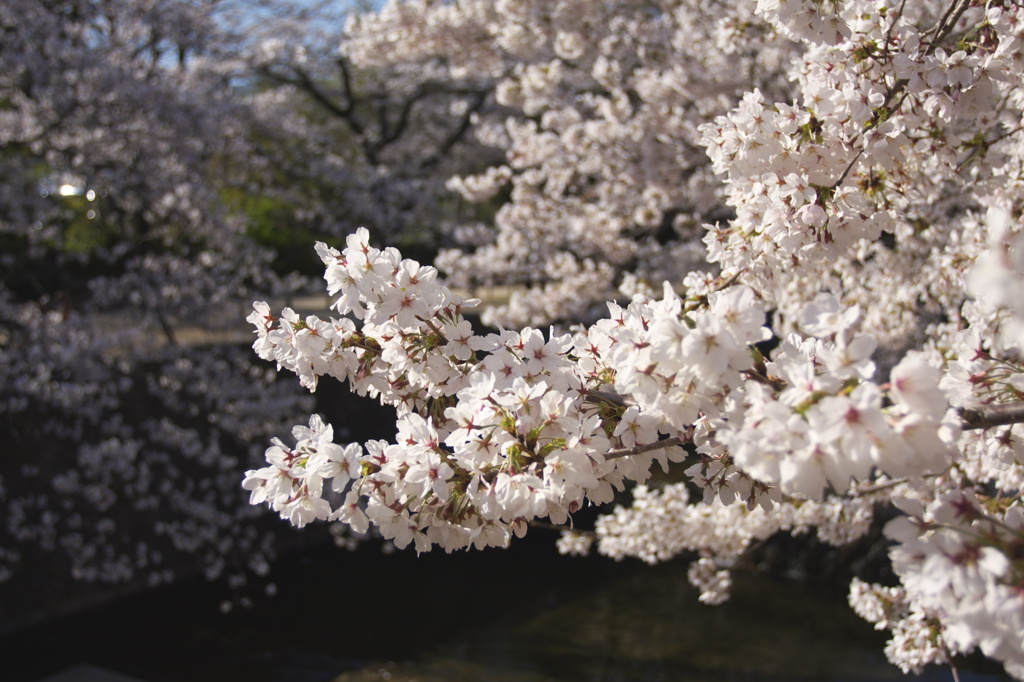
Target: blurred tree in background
[
  {"x": 152, "y": 179},
  {"x": 162, "y": 163}
]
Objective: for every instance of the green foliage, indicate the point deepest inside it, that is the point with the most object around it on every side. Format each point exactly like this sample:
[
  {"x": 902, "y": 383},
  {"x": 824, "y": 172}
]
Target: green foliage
[
  {"x": 272, "y": 223},
  {"x": 85, "y": 227}
]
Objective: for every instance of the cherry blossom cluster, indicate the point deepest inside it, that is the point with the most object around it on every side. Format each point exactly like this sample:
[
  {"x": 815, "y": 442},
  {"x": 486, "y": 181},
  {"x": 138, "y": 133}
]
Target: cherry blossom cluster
[
  {"x": 900, "y": 106},
  {"x": 915, "y": 642},
  {"x": 496, "y": 430},
  {"x": 830, "y": 425},
  {"x": 595, "y": 110},
  {"x": 662, "y": 524},
  {"x": 955, "y": 560}
]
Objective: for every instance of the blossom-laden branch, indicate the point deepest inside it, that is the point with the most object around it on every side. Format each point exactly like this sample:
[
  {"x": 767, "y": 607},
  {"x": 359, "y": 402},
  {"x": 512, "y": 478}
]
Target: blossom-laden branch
[{"x": 487, "y": 443}]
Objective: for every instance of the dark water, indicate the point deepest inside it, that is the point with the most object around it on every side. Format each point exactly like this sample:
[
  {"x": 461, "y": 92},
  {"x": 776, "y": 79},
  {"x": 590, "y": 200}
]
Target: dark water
[{"x": 522, "y": 615}]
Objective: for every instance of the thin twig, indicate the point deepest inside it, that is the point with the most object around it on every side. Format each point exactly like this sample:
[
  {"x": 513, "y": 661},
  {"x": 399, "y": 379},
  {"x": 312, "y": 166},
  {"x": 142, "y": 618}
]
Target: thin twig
[
  {"x": 895, "y": 20},
  {"x": 835, "y": 185},
  {"x": 942, "y": 26},
  {"x": 433, "y": 328}
]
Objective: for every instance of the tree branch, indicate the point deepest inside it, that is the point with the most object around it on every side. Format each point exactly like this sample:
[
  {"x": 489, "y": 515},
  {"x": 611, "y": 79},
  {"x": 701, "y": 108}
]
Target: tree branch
[
  {"x": 975, "y": 418},
  {"x": 302, "y": 80},
  {"x": 647, "y": 447},
  {"x": 390, "y": 132},
  {"x": 459, "y": 132}
]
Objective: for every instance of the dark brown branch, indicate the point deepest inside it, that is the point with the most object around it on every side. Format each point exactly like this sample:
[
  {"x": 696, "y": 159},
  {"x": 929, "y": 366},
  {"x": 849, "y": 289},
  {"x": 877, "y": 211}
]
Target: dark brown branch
[
  {"x": 460, "y": 131},
  {"x": 433, "y": 327},
  {"x": 945, "y": 25},
  {"x": 346, "y": 83},
  {"x": 391, "y": 127},
  {"x": 976, "y": 418},
  {"x": 391, "y": 132},
  {"x": 344, "y": 110},
  {"x": 302, "y": 80}
]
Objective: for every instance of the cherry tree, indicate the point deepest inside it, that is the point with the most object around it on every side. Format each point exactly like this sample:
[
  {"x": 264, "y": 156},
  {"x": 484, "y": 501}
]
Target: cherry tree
[
  {"x": 601, "y": 108},
  {"x": 119, "y": 132},
  {"x": 377, "y": 139},
  {"x": 868, "y": 196}
]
